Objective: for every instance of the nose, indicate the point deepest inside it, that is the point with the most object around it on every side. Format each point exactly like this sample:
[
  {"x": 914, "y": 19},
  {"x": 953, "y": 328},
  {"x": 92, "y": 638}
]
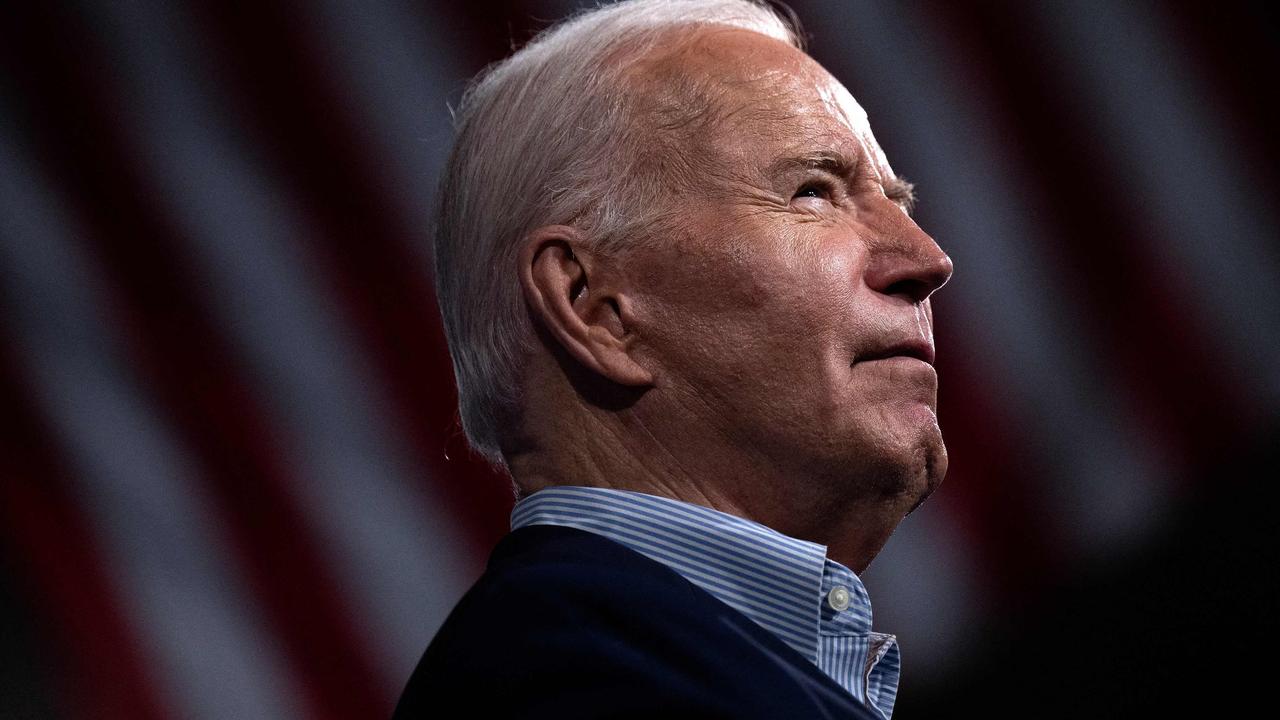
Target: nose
[{"x": 906, "y": 262}]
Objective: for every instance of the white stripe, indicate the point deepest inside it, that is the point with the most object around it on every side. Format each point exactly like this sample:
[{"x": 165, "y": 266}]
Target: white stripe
[
  {"x": 383, "y": 60},
  {"x": 768, "y": 609},
  {"x": 928, "y": 589},
  {"x": 1216, "y": 224},
  {"x": 397, "y": 554},
  {"x": 787, "y": 550},
  {"x": 205, "y": 642},
  {"x": 713, "y": 543},
  {"x": 716, "y": 542},
  {"x": 653, "y": 539},
  {"x": 839, "y": 646},
  {"x": 1108, "y": 483},
  {"x": 710, "y": 549}
]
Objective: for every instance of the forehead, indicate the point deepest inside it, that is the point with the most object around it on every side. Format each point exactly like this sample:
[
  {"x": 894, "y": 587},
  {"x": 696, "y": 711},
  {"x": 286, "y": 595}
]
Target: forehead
[{"x": 767, "y": 92}]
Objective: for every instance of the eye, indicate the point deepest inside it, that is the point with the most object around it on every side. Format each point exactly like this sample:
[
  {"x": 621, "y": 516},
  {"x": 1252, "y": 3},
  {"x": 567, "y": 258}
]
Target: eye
[{"x": 816, "y": 189}]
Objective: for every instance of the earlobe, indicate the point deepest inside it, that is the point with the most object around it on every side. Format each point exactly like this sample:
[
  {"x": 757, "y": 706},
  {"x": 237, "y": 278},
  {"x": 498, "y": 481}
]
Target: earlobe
[{"x": 567, "y": 292}]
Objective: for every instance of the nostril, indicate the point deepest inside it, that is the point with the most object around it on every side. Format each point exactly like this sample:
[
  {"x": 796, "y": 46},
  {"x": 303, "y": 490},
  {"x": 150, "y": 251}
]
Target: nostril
[
  {"x": 910, "y": 288},
  {"x": 910, "y": 273}
]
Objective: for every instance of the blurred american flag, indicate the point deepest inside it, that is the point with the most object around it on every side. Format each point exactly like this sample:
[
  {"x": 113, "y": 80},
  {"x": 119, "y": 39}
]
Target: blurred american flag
[{"x": 232, "y": 480}]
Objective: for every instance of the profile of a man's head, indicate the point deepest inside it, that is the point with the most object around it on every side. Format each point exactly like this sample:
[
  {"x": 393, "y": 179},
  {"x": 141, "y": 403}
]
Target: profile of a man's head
[{"x": 671, "y": 257}]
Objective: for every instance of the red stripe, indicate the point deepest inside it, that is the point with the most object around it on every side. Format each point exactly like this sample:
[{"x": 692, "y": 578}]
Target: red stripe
[
  {"x": 102, "y": 672},
  {"x": 1103, "y": 250},
  {"x": 195, "y": 374},
  {"x": 1222, "y": 41},
  {"x": 313, "y": 133},
  {"x": 987, "y": 490}
]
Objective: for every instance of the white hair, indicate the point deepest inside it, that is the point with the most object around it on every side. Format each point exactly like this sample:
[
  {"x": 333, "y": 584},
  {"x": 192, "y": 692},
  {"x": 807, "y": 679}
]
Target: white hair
[{"x": 549, "y": 136}]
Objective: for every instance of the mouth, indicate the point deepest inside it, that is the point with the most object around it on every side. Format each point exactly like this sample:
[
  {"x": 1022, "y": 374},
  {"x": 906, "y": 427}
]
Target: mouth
[{"x": 919, "y": 349}]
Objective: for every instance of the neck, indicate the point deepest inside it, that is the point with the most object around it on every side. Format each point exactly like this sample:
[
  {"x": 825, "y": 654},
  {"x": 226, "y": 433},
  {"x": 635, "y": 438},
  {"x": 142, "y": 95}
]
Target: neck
[{"x": 624, "y": 450}]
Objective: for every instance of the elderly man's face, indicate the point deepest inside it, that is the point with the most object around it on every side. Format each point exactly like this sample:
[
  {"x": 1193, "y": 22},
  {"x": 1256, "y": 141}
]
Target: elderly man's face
[{"x": 792, "y": 315}]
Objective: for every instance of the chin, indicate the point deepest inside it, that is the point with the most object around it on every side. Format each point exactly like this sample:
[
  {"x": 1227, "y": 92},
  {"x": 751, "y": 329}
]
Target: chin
[
  {"x": 910, "y": 465},
  {"x": 935, "y": 468}
]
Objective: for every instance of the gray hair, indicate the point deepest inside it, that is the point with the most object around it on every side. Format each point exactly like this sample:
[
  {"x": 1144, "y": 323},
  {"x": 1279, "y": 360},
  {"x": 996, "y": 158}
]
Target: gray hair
[{"x": 547, "y": 136}]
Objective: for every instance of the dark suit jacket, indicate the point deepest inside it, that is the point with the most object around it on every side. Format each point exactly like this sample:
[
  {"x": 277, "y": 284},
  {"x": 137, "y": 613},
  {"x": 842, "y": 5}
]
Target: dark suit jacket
[{"x": 568, "y": 624}]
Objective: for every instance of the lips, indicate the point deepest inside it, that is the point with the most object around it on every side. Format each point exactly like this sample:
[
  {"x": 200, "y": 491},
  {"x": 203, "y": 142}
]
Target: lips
[{"x": 916, "y": 348}]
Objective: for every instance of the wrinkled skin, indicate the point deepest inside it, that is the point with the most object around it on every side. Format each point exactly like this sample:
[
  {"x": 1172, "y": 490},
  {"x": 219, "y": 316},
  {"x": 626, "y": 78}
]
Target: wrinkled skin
[{"x": 781, "y": 336}]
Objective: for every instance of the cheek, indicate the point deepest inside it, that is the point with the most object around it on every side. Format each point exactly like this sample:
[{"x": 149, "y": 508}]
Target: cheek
[
  {"x": 795, "y": 308},
  {"x": 771, "y": 307},
  {"x": 823, "y": 293},
  {"x": 834, "y": 271}
]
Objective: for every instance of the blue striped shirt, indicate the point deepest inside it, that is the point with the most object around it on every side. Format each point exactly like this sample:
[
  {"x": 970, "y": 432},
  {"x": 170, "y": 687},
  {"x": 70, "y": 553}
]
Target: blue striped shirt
[{"x": 788, "y": 586}]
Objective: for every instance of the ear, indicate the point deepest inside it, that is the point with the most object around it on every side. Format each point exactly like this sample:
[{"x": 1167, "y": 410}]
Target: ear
[{"x": 575, "y": 299}]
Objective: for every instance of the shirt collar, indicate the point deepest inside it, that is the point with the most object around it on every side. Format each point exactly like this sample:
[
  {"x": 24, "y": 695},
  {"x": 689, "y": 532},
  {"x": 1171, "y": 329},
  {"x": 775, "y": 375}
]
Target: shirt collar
[{"x": 782, "y": 583}]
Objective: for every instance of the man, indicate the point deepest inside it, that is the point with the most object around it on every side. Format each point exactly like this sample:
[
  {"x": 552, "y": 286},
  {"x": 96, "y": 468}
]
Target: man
[{"x": 689, "y": 312}]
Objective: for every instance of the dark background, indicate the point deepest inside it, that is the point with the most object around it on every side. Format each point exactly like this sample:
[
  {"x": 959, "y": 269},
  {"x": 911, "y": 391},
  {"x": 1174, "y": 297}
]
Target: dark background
[{"x": 230, "y": 480}]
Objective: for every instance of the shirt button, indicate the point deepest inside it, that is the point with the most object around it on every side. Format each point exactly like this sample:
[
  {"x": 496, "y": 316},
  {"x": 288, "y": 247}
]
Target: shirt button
[{"x": 838, "y": 598}]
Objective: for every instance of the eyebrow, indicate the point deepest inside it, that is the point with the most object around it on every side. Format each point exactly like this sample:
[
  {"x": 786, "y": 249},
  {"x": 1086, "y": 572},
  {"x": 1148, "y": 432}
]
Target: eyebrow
[
  {"x": 837, "y": 163},
  {"x": 902, "y": 192}
]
